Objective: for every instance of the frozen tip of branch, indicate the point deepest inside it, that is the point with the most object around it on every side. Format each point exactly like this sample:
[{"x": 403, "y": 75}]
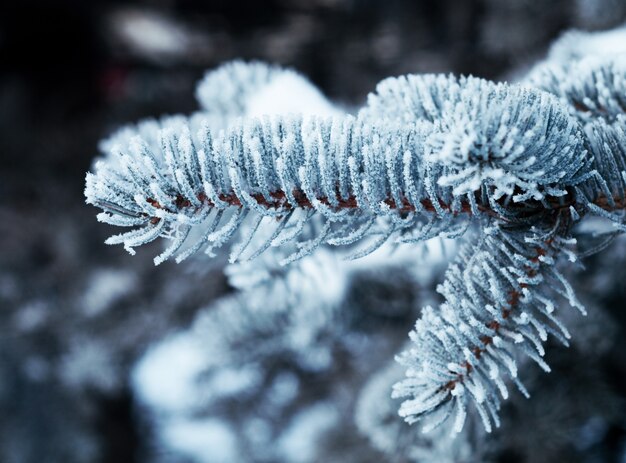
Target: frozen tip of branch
[
  {"x": 478, "y": 139},
  {"x": 592, "y": 88},
  {"x": 467, "y": 345},
  {"x": 249, "y": 167}
]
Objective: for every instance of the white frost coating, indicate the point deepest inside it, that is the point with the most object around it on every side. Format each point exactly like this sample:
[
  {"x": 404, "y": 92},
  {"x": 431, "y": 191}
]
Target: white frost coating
[
  {"x": 376, "y": 418},
  {"x": 485, "y": 135},
  {"x": 164, "y": 379},
  {"x": 384, "y": 193},
  {"x": 592, "y": 88},
  {"x": 145, "y": 136},
  {"x": 428, "y": 157},
  {"x": 458, "y": 357},
  {"x": 130, "y": 189}
]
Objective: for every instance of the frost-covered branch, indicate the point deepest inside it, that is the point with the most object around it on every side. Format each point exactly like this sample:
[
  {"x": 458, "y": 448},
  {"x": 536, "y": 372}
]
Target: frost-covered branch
[
  {"x": 506, "y": 137},
  {"x": 592, "y": 88},
  {"x": 365, "y": 178},
  {"x": 429, "y": 155},
  {"x": 499, "y": 300}
]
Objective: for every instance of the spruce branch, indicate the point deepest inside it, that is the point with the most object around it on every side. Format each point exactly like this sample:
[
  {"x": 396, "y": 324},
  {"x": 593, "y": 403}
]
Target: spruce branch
[
  {"x": 365, "y": 178},
  {"x": 427, "y": 156},
  {"x": 500, "y": 298},
  {"x": 506, "y": 136},
  {"x": 593, "y": 88}
]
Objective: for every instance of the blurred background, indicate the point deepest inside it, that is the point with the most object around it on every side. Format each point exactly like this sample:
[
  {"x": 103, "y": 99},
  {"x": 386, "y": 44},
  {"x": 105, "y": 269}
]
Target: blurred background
[{"x": 77, "y": 318}]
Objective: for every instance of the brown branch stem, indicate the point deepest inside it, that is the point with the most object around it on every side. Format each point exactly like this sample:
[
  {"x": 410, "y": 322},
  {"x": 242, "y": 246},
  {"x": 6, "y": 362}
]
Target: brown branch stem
[
  {"x": 486, "y": 340},
  {"x": 279, "y": 200}
]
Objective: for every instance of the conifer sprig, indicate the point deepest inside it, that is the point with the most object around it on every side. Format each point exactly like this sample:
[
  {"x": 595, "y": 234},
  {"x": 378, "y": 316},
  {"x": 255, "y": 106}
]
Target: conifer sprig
[{"x": 427, "y": 156}]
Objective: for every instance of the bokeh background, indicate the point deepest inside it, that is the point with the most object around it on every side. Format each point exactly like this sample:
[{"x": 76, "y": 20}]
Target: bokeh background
[{"x": 77, "y": 316}]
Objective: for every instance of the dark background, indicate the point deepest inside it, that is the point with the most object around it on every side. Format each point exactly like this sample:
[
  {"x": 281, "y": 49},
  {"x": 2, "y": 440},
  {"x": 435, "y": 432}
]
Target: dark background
[{"x": 70, "y": 73}]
